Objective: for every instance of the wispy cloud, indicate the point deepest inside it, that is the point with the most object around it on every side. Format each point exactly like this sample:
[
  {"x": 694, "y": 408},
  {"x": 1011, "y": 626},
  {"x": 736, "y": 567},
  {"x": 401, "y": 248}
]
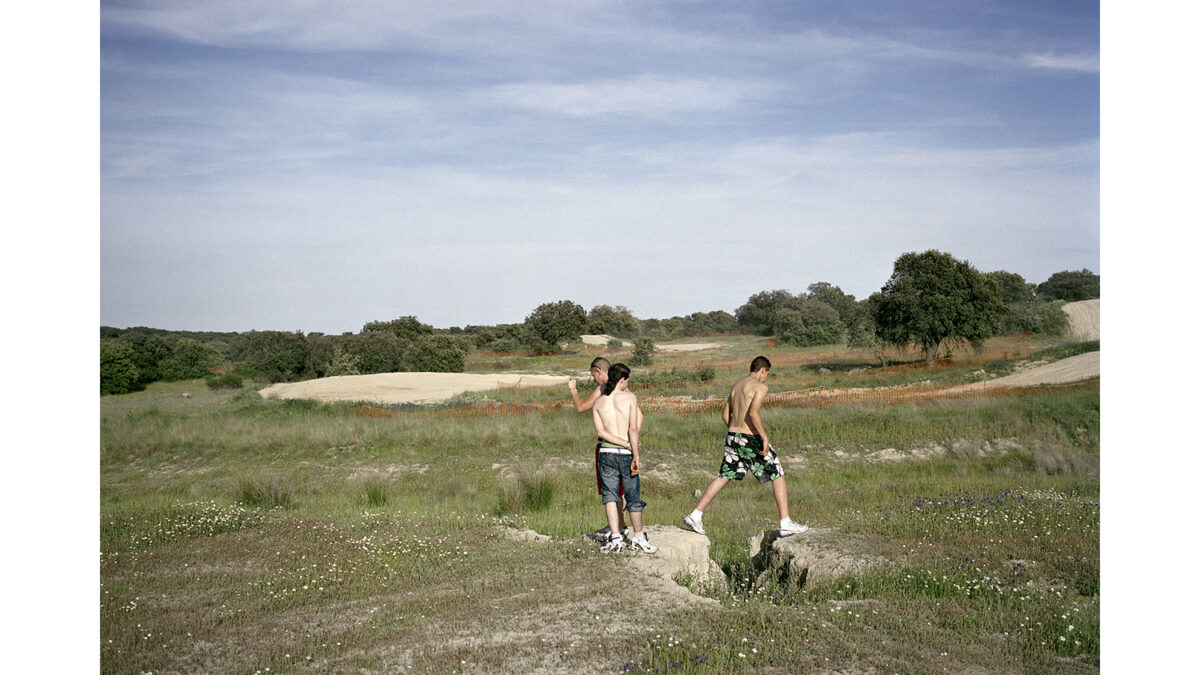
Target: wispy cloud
[
  {"x": 1082, "y": 63},
  {"x": 645, "y": 95}
]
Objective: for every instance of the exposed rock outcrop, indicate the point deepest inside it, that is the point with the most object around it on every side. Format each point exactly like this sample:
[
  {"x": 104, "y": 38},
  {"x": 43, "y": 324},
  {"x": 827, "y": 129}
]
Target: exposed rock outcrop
[
  {"x": 681, "y": 554},
  {"x": 811, "y": 558}
]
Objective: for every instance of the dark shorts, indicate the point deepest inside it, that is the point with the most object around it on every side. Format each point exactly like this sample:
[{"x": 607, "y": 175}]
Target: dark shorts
[
  {"x": 742, "y": 453},
  {"x": 600, "y": 485},
  {"x": 614, "y": 475}
]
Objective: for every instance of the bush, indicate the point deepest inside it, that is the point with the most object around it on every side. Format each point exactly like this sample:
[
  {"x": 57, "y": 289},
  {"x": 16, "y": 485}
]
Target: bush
[
  {"x": 615, "y": 343},
  {"x": 436, "y": 354},
  {"x": 118, "y": 374},
  {"x": 376, "y": 492},
  {"x": 643, "y": 351},
  {"x": 1035, "y": 317},
  {"x": 527, "y": 492},
  {"x": 224, "y": 381},
  {"x": 266, "y": 491}
]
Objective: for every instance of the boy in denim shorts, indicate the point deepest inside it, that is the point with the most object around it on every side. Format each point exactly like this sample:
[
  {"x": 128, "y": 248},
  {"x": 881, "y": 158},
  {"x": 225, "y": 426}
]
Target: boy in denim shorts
[
  {"x": 618, "y": 422},
  {"x": 747, "y": 449}
]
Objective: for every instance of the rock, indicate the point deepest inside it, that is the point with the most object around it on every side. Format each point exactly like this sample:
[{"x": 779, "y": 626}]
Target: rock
[
  {"x": 185, "y": 395},
  {"x": 824, "y": 371},
  {"x": 681, "y": 553},
  {"x": 525, "y": 535},
  {"x": 697, "y": 494},
  {"x": 813, "y": 557}
]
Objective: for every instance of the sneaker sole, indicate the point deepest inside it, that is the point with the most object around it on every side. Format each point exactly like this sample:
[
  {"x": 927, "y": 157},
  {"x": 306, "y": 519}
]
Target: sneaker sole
[{"x": 692, "y": 528}]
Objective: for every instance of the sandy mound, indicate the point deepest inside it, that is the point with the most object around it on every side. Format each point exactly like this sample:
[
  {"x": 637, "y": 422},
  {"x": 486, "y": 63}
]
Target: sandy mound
[
  {"x": 404, "y": 387},
  {"x": 602, "y": 340},
  {"x": 694, "y": 347},
  {"x": 1085, "y": 318},
  {"x": 1071, "y": 369}
]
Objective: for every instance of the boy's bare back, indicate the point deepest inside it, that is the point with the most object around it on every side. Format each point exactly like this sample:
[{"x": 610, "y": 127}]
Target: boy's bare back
[
  {"x": 617, "y": 411},
  {"x": 744, "y": 400}
]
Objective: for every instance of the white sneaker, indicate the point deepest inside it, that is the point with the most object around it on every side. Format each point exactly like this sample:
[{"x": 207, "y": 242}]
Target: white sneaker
[
  {"x": 693, "y": 524},
  {"x": 640, "y": 542},
  {"x": 616, "y": 544},
  {"x": 790, "y": 527}
]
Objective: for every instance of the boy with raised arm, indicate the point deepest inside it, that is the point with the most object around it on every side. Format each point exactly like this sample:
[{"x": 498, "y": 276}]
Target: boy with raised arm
[
  {"x": 618, "y": 423},
  {"x": 747, "y": 447},
  {"x": 599, "y": 371}
]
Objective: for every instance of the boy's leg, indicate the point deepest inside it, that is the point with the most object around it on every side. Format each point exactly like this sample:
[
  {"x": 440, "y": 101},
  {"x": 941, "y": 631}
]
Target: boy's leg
[
  {"x": 781, "y": 500},
  {"x": 711, "y": 491},
  {"x": 621, "y": 511},
  {"x": 610, "y": 510},
  {"x": 633, "y": 496}
]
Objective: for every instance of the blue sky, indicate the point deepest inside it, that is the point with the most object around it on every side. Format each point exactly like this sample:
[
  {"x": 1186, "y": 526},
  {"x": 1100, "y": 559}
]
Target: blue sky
[{"x": 312, "y": 166}]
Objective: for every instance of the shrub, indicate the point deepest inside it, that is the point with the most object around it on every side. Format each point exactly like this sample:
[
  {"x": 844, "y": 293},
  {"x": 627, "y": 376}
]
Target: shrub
[
  {"x": 268, "y": 491},
  {"x": 118, "y": 374},
  {"x": 436, "y": 354},
  {"x": 376, "y": 491},
  {"x": 525, "y": 493},
  {"x": 643, "y": 352},
  {"x": 615, "y": 343},
  {"x": 224, "y": 381},
  {"x": 1044, "y": 318}
]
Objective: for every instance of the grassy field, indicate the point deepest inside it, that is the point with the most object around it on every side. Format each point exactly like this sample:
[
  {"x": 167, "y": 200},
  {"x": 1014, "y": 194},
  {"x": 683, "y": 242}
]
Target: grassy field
[{"x": 243, "y": 535}]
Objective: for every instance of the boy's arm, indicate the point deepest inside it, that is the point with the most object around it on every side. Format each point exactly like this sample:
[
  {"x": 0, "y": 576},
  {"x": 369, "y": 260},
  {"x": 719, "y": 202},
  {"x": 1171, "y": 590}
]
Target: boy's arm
[
  {"x": 585, "y": 403},
  {"x": 727, "y": 411},
  {"x": 756, "y": 423},
  {"x": 603, "y": 433},
  {"x": 635, "y": 430}
]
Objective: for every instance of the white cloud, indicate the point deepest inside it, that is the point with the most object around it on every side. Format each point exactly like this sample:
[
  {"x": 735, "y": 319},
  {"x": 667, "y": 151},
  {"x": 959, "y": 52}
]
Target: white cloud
[
  {"x": 646, "y": 95},
  {"x": 1083, "y": 63}
]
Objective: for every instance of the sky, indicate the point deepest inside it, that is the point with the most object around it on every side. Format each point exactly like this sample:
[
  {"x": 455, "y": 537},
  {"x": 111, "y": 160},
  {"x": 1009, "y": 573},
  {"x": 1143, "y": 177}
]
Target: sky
[{"x": 300, "y": 165}]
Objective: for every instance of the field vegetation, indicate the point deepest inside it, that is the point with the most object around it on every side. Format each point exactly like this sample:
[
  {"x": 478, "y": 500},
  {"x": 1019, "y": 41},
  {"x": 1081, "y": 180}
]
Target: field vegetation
[{"x": 245, "y": 535}]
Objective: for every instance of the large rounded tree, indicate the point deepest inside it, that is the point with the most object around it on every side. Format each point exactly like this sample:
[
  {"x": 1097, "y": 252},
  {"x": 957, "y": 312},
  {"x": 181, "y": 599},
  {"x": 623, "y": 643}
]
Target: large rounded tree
[
  {"x": 932, "y": 298},
  {"x": 554, "y": 323}
]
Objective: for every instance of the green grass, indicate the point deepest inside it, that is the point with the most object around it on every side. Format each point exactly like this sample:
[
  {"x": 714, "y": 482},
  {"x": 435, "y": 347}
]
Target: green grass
[{"x": 388, "y": 556}]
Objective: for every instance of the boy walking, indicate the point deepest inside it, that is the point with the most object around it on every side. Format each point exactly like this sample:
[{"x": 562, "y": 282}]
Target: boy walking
[
  {"x": 747, "y": 448},
  {"x": 618, "y": 421}
]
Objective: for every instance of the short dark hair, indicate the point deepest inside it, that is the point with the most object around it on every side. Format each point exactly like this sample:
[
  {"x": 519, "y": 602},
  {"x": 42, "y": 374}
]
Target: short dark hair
[
  {"x": 600, "y": 362},
  {"x": 616, "y": 373},
  {"x": 758, "y": 363}
]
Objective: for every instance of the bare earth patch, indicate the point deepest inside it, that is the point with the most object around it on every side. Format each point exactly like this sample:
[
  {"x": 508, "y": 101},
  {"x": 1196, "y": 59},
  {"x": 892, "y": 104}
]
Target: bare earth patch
[{"x": 404, "y": 387}]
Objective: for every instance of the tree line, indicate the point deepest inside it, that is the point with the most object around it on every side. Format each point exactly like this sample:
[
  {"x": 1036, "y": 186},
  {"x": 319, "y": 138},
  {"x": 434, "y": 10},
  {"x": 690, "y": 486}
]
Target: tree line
[{"x": 930, "y": 300}]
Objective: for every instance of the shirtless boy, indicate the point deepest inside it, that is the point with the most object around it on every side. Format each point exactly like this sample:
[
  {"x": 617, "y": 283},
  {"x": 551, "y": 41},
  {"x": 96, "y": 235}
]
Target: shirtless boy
[
  {"x": 599, "y": 371},
  {"x": 618, "y": 423},
  {"x": 747, "y": 447}
]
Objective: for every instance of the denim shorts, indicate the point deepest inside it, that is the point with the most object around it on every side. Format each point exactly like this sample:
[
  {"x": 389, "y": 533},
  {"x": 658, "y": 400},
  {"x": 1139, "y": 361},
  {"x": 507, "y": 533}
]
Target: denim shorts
[{"x": 614, "y": 474}]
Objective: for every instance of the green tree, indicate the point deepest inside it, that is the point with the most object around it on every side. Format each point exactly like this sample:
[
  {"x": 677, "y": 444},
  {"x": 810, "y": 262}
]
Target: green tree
[
  {"x": 554, "y": 323},
  {"x": 436, "y": 354},
  {"x": 407, "y": 328},
  {"x": 617, "y": 322},
  {"x": 276, "y": 355},
  {"x": 1013, "y": 287},
  {"x": 150, "y": 352},
  {"x": 378, "y": 352},
  {"x": 1070, "y": 286},
  {"x": 932, "y": 298},
  {"x": 758, "y": 315},
  {"x": 118, "y": 374},
  {"x": 848, "y": 310},
  {"x": 1043, "y": 318},
  {"x": 812, "y": 323},
  {"x": 190, "y": 359}
]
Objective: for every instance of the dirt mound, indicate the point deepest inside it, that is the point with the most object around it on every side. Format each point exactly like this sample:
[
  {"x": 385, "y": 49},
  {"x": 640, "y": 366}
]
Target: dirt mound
[
  {"x": 602, "y": 340},
  {"x": 404, "y": 387},
  {"x": 1085, "y": 318}
]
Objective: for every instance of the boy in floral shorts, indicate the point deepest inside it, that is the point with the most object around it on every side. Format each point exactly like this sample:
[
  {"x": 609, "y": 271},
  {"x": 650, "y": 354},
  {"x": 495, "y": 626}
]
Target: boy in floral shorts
[{"x": 747, "y": 448}]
